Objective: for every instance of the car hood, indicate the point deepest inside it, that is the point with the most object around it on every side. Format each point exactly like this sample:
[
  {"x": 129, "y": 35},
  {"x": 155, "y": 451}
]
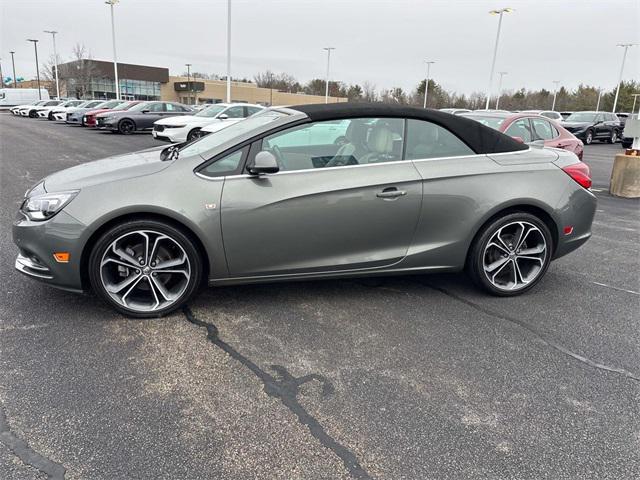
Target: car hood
[
  {"x": 219, "y": 125},
  {"x": 109, "y": 169},
  {"x": 77, "y": 110},
  {"x": 100, "y": 110},
  {"x": 184, "y": 119},
  {"x": 576, "y": 124}
]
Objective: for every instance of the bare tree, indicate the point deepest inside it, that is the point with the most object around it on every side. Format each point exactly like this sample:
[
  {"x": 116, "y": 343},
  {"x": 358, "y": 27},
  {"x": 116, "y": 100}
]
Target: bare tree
[
  {"x": 79, "y": 73},
  {"x": 369, "y": 93}
]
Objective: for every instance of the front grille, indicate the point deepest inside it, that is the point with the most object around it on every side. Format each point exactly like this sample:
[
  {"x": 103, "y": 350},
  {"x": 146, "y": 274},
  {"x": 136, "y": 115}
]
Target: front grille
[
  {"x": 158, "y": 128},
  {"x": 100, "y": 121}
]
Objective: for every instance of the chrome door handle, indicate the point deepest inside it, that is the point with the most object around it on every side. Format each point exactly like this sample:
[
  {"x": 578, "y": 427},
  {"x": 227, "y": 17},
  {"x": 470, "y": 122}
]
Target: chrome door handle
[{"x": 391, "y": 193}]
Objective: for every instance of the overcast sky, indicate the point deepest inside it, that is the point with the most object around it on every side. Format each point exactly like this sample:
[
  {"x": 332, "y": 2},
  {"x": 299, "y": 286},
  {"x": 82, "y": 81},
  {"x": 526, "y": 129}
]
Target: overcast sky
[{"x": 384, "y": 42}]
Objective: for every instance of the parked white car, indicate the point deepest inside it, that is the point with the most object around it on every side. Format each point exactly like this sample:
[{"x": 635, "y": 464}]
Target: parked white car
[
  {"x": 30, "y": 110},
  {"x": 47, "y": 112},
  {"x": 186, "y": 128},
  {"x": 16, "y": 110}
]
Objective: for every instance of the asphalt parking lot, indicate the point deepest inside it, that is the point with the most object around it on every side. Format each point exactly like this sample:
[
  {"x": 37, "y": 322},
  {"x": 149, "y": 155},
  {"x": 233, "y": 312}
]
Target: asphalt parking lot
[{"x": 397, "y": 378}]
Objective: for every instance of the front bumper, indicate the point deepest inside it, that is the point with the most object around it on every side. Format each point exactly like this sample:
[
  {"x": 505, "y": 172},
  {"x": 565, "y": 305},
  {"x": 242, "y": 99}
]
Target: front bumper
[
  {"x": 38, "y": 241},
  {"x": 74, "y": 119},
  {"x": 42, "y": 113},
  {"x": 173, "y": 135},
  {"x": 105, "y": 124},
  {"x": 60, "y": 116}
]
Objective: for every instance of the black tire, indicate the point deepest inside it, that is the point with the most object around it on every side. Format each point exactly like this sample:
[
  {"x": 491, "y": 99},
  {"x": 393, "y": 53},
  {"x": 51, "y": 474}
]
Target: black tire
[
  {"x": 193, "y": 135},
  {"x": 614, "y": 136},
  {"x": 479, "y": 248},
  {"x": 126, "y": 126},
  {"x": 32, "y": 114},
  {"x": 50, "y": 116},
  {"x": 148, "y": 225},
  {"x": 588, "y": 137}
]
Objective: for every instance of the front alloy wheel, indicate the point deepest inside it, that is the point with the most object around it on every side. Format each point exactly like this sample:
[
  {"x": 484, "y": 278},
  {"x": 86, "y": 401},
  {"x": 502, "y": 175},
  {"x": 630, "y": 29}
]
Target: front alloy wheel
[
  {"x": 588, "y": 139},
  {"x": 511, "y": 255},
  {"x": 126, "y": 127},
  {"x": 145, "y": 269}
]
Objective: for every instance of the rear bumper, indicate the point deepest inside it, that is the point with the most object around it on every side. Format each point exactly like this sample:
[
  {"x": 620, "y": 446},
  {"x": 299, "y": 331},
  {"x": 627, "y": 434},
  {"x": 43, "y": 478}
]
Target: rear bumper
[{"x": 576, "y": 211}]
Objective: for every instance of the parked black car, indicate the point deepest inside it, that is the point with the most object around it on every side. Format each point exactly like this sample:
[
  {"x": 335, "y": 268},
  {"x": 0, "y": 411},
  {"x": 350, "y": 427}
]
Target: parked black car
[
  {"x": 140, "y": 116},
  {"x": 590, "y": 126}
]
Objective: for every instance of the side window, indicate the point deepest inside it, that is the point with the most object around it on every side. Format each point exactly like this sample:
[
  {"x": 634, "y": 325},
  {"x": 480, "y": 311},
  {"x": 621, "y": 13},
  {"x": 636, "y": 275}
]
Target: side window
[
  {"x": 235, "y": 112},
  {"x": 252, "y": 110},
  {"x": 555, "y": 131},
  {"x": 520, "y": 128},
  {"x": 599, "y": 118},
  {"x": 357, "y": 141},
  {"x": 172, "y": 107},
  {"x": 428, "y": 140},
  {"x": 226, "y": 165},
  {"x": 155, "y": 107},
  {"x": 542, "y": 129}
]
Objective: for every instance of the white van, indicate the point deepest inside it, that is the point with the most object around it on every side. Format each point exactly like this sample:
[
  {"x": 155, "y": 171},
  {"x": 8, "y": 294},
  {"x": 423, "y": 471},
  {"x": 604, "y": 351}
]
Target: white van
[{"x": 10, "y": 97}]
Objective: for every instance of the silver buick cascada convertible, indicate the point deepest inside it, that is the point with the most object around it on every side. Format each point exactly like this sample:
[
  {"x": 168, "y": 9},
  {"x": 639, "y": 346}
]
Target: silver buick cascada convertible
[{"x": 315, "y": 191}]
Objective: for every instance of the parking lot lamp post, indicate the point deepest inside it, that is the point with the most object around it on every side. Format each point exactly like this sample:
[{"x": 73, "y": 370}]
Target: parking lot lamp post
[
  {"x": 111, "y": 3},
  {"x": 555, "y": 95},
  {"x": 599, "y": 97},
  {"x": 55, "y": 60},
  {"x": 502, "y": 74},
  {"x": 635, "y": 97},
  {"x": 13, "y": 64},
  {"x": 188, "y": 65},
  {"x": 35, "y": 46},
  {"x": 326, "y": 86},
  {"x": 426, "y": 81},
  {"x": 624, "y": 57},
  {"x": 500, "y": 12},
  {"x": 228, "y": 51}
]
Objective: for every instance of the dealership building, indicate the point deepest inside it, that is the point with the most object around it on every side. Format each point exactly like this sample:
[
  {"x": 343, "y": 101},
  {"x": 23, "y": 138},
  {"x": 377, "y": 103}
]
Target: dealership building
[{"x": 96, "y": 79}]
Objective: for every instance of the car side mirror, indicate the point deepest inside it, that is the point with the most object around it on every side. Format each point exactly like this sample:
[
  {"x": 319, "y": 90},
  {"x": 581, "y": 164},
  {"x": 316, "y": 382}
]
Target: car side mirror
[
  {"x": 265, "y": 162},
  {"x": 146, "y": 111},
  {"x": 223, "y": 116}
]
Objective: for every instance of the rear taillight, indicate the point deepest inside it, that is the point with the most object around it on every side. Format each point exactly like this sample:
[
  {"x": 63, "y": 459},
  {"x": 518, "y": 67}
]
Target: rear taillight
[{"x": 580, "y": 173}]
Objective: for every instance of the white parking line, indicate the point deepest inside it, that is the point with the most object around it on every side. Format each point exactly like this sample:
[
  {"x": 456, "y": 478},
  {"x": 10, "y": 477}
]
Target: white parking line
[{"x": 616, "y": 288}]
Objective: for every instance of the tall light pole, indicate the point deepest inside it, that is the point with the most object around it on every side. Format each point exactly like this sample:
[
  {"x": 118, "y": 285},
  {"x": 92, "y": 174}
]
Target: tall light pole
[
  {"x": 426, "y": 82},
  {"x": 502, "y": 74},
  {"x": 599, "y": 97},
  {"x": 228, "y": 51},
  {"x": 111, "y": 4},
  {"x": 500, "y": 12},
  {"x": 555, "y": 94},
  {"x": 326, "y": 86},
  {"x": 55, "y": 59},
  {"x": 13, "y": 64},
  {"x": 624, "y": 57},
  {"x": 35, "y": 46},
  {"x": 635, "y": 97},
  {"x": 188, "y": 65}
]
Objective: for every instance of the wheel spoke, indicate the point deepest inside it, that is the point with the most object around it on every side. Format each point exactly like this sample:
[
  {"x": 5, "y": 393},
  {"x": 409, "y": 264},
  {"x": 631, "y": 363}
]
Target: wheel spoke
[
  {"x": 499, "y": 270},
  {"x": 184, "y": 272},
  {"x": 125, "y": 256},
  {"x": 498, "y": 263},
  {"x": 532, "y": 251},
  {"x": 123, "y": 298},
  {"x": 518, "y": 274},
  {"x": 162, "y": 289},
  {"x": 501, "y": 248},
  {"x": 117, "y": 287},
  {"x": 169, "y": 263},
  {"x": 155, "y": 246},
  {"x": 526, "y": 257}
]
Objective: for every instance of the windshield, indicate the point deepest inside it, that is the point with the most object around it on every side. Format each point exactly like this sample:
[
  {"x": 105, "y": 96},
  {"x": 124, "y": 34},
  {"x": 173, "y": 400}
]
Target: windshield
[
  {"x": 581, "y": 117},
  {"x": 216, "y": 138},
  {"x": 139, "y": 107},
  {"x": 210, "y": 111},
  {"x": 489, "y": 121},
  {"x": 127, "y": 105},
  {"x": 93, "y": 104},
  {"x": 112, "y": 104}
]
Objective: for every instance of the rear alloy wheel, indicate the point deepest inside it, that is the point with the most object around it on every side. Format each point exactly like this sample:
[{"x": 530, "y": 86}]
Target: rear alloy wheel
[
  {"x": 588, "y": 138},
  {"x": 613, "y": 138},
  {"x": 193, "y": 135},
  {"x": 511, "y": 254},
  {"x": 145, "y": 268},
  {"x": 125, "y": 127}
]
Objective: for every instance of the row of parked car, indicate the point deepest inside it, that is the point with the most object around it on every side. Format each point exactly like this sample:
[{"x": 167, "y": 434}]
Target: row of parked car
[
  {"x": 177, "y": 123},
  {"x": 586, "y": 126},
  {"x": 168, "y": 121}
]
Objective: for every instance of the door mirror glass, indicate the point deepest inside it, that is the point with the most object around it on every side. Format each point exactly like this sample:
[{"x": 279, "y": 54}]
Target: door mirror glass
[
  {"x": 265, "y": 162},
  {"x": 223, "y": 116}
]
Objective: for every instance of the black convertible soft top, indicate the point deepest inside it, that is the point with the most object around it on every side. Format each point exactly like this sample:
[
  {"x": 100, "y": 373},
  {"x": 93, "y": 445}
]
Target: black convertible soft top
[{"x": 479, "y": 138}]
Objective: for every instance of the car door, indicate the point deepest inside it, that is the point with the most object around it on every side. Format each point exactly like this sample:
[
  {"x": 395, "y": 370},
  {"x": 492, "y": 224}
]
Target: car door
[
  {"x": 235, "y": 112},
  {"x": 601, "y": 129},
  {"x": 323, "y": 212},
  {"x": 151, "y": 113}
]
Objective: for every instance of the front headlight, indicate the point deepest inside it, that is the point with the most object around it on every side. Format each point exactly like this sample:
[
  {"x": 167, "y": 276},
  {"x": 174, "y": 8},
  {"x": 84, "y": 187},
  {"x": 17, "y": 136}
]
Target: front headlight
[{"x": 42, "y": 207}]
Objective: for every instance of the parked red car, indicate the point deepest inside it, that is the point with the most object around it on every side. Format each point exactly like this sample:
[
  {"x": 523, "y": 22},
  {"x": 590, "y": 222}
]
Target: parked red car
[
  {"x": 530, "y": 128},
  {"x": 89, "y": 118}
]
